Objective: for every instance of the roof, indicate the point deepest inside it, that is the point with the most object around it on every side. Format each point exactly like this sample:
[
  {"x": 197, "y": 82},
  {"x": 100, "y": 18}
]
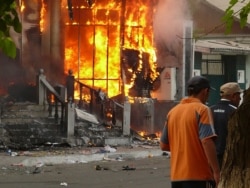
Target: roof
[
  {"x": 223, "y": 5},
  {"x": 221, "y": 47},
  {"x": 227, "y": 44}
]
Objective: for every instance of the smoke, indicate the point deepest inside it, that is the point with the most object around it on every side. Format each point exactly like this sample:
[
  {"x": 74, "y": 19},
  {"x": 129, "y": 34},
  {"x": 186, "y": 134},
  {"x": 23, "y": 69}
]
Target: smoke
[
  {"x": 169, "y": 18},
  {"x": 24, "y": 68}
]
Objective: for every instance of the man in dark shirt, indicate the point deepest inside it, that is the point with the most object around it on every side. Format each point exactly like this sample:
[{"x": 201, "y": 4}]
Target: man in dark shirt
[{"x": 230, "y": 99}]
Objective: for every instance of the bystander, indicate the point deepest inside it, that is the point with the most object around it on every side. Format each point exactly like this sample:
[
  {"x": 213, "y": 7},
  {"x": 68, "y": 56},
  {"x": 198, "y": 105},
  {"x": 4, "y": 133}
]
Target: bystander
[
  {"x": 230, "y": 99},
  {"x": 189, "y": 135}
]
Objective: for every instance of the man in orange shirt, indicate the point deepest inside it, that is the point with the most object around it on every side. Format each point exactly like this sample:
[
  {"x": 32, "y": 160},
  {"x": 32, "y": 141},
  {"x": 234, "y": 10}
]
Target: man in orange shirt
[{"x": 189, "y": 135}]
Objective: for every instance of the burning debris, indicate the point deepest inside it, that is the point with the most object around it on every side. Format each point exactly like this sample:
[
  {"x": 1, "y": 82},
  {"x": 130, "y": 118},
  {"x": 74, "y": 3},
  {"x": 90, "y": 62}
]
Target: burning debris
[
  {"x": 82, "y": 115},
  {"x": 141, "y": 138}
]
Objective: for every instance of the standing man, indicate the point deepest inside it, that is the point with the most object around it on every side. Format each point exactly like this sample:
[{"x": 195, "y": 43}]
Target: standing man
[
  {"x": 189, "y": 135},
  {"x": 230, "y": 99}
]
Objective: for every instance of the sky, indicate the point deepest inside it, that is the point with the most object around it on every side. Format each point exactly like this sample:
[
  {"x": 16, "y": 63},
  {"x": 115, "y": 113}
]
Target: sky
[{"x": 223, "y": 5}]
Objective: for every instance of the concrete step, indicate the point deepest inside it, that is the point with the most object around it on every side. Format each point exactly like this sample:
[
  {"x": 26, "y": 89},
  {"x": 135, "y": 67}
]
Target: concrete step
[
  {"x": 29, "y": 120},
  {"x": 25, "y": 107},
  {"x": 27, "y": 125},
  {"x": 23, "y": 110},
  {"x": 28, "y": 135},
  {"x": 24, "y": 114}
]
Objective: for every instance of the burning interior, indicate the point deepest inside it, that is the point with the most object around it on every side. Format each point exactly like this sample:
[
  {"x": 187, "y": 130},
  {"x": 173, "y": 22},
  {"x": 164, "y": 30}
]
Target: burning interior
[{"x": 114, "y": 45}]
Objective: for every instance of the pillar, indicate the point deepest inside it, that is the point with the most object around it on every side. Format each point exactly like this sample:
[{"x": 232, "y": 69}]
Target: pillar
[
  {"x": 70, "y": 119},
  {"x": 126, "y": 118},
  {"x": 56, "y": 41}
]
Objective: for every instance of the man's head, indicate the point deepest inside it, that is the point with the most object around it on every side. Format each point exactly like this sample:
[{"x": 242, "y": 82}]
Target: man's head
[
  {"x": 199, "y": 87},
  {"x": 231, "y": 91}
]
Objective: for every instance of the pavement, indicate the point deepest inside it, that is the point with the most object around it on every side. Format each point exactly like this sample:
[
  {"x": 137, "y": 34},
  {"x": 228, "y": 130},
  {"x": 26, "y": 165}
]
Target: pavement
[{"x": 77, "y": 155}]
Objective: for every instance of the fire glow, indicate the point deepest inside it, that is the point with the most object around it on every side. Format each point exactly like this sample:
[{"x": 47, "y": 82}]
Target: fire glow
[
  {"x": 96, "y": 36},
  {"x": 42, "y": 15}
]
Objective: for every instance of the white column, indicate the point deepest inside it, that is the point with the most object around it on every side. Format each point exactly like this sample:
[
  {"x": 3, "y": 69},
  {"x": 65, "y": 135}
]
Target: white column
[
  {"x": 70, "y": 116},
  {"x": 126, "y": 118}
]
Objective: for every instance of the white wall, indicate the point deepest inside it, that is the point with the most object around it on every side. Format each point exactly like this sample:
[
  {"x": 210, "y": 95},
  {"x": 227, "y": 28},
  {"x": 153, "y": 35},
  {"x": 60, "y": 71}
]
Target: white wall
[{"x": 167, "y": 90}]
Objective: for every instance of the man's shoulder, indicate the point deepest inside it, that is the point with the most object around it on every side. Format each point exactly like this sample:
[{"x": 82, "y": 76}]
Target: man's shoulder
[
  {"x": 223, "y": 106},
  {"x": 221, "y": 103}
]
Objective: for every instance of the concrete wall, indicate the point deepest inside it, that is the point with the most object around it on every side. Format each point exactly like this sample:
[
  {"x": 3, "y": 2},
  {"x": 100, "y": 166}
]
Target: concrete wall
[{"x": 150, "y": 117}]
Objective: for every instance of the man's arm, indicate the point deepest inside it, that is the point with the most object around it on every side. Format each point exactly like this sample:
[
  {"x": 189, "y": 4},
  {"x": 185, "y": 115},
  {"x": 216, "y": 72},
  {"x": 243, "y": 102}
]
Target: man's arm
[
  {"x": 164, "y": 145},
  {"x": 210, "y": 152}
]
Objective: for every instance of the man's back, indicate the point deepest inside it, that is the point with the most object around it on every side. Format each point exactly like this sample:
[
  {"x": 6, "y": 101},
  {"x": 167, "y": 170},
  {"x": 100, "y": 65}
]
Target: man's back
[
  {"x": 221, "y": 113},
  {"x": 230, "y": 99},
  {"x": 189, "y": 135},
  {"x": 188, "y": 123}
]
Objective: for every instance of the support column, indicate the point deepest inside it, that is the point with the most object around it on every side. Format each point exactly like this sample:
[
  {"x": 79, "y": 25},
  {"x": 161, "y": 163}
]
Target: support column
[
  {"x": 70, "y": 80},
  {"x": 56, "y": 42},
  {"x": 41, "y": 91},
  {"x": 126, "y": 118},
  {"x": 70, "y": 116}
]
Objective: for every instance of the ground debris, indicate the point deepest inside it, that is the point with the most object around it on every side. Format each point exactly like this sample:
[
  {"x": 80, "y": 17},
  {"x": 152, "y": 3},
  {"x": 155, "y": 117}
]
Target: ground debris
[
  {"x": 98, "y": 167},
  {"x": 128, "y": 168}
]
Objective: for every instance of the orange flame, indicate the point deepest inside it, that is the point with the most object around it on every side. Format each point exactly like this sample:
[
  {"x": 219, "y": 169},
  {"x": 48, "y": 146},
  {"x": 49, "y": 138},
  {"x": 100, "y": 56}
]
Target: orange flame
[
  {"x": 93, "y": 41},
  {"x": 42, "y": 15},
  {"x": 22, "y": 7}
]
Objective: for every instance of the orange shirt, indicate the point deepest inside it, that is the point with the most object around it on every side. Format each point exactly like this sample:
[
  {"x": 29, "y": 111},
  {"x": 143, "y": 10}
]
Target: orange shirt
[{"x": 187, "y": 124}]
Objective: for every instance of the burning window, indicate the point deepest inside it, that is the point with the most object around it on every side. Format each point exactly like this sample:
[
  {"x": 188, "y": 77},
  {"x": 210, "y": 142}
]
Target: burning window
[
  {"x": 98, "y": 34},
  {"x": 94, "y": 39}
]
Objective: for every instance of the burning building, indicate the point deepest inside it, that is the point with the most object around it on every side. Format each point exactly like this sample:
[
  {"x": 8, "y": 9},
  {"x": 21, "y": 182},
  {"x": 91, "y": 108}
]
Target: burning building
[
  {"x": 105, "y": 43},
  {"x": 118, "y": 47}
]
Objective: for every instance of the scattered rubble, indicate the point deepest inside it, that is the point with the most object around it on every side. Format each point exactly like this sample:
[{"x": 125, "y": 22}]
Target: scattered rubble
[
  {"x": 128, "y": 168},
  {"x": 75, "y": 155}
]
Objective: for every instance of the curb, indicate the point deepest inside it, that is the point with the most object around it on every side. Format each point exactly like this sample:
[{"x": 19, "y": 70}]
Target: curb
[{"x": 72, "y": 159}]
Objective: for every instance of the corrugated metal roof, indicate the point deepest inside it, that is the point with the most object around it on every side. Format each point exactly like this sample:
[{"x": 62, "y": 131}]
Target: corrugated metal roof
[{"x": 222, "y": 47}]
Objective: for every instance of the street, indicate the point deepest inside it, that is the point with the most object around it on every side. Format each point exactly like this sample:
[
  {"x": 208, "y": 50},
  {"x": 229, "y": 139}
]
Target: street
[{"x": 133, "y": 173}]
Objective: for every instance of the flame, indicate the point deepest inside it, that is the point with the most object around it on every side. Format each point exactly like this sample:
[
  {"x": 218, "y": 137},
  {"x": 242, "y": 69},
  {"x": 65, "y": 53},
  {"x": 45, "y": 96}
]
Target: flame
[
  {"x": 42, "y": 15},
  {"x": 142, "y": 133},
  {"x": 93, "y": 51},
  {"x": 22, "y": 6},
  {"x": 139, "y": 36},
  {"x": 158, "y": 134},
  {"x": 51, "y": 98},
  {"x": 145, "y": 135}
]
